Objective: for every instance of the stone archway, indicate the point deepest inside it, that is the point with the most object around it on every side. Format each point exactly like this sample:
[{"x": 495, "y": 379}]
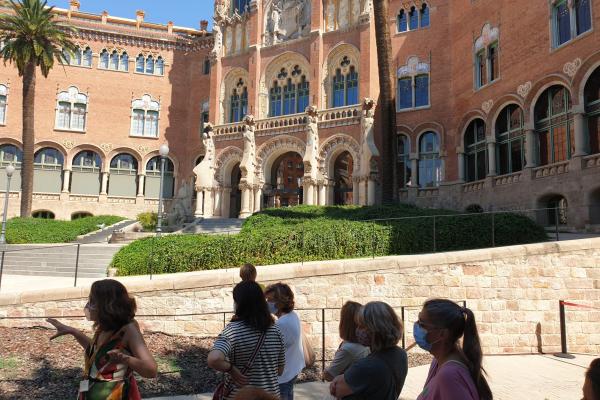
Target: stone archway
[
  {"x": 342, "y": 179},
  {"x": 329, "y": 154},
  {"x": 287, "y": 172}
]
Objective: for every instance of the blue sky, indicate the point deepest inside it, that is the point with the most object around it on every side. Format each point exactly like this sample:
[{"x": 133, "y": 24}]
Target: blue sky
[{"x": 186, "y": 13}]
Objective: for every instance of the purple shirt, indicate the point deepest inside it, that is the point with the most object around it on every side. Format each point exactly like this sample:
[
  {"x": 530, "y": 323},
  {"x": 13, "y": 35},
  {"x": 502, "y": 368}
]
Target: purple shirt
[{"x": 451, "y": 381}]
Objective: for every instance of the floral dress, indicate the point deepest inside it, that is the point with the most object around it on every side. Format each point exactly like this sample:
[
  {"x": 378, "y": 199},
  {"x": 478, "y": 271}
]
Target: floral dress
[{"x": 108, "y": 381}]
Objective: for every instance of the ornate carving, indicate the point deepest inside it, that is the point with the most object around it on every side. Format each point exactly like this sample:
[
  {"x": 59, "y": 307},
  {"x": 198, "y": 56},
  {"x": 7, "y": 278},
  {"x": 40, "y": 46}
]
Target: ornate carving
[
  {"x": 310, "y": 158},
  {"x": 330, "y": 148},
  {"x": 486, "y": 106},
  {"x": 524, "y": 89},
  {"x": 69, "y": 144},
  {"x": 248, "y": 164},
  {"x": 143, "y": 149},
  {"x": 571, "y": 68},
  {"x": 205, "y": 171},
  {"x": 488, "y": 36},
  {"x": 107, "y": 147},
  {"x": 286, "y": 20},
  {"x": 225, "y": 158},
  {"x": 368, "y": 149},
  {"x": 218, "y": 43},
  {"x": 413, "y": 67}
]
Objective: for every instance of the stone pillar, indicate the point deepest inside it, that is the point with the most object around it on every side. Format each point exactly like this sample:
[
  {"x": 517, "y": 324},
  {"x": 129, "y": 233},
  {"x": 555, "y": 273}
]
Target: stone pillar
[
  {"x": 208, "y": 203},
  {"x": 246, "y": 201},
  {"x": 461, "y": 166},
  {"x": 257, "y": 199},
  {"x": 217, "y": 202},
  {"x": 225, "y": 203},
  {"x": 530, "y": 149},
  {"x": 363, "y": 191},
  {"x": 323, "y": 194},
  {"x": 331, "y": 192},
  {"x": 199, "y": 202},
  {"x": 66, "y": 180},
  {"x": 309, "y": 193},
  {"x": 370, "y": 183},
  {"x": 104, "y": 187},
  {"x": 414, "y": 170},
  {"x": 581, "y": 146},
  {"x": 492, "y": 158},
  {"x": 355, "y": 191},
  {"x": 140, "y": 188}
]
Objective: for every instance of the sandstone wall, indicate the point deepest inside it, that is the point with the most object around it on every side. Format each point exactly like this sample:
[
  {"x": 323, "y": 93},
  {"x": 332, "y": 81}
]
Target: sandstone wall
[{"x": 514, "y": 292}]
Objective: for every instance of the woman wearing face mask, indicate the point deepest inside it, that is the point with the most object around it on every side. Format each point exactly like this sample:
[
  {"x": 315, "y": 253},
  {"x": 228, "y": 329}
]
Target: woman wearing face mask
[
  {"x": 591, "y": 387},
  {"x": 381, "y": 374},
  {"x": 250, "y": 349},
  {"x": 456, "y": 372},
  {"x": 350, "y": 350},
  {"x": 117, "y": 348},
  {"x": 280, "y": 299}
]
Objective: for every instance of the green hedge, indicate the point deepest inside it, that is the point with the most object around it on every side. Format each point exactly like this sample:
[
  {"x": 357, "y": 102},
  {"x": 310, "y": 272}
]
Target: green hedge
[
  {"x": 38, "y": 230},
  {"x": 323, "y": 233}
]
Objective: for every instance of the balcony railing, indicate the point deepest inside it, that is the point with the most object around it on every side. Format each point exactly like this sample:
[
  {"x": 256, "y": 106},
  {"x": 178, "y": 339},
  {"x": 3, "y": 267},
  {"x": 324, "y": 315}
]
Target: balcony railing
[
  {"x": 508, "y": 179},
  {"x": 341, "y": 116},
  {"x": 591, "y": 161},
  {"x": 551, "y": 170},
  {"x": 473, "y": 186}
]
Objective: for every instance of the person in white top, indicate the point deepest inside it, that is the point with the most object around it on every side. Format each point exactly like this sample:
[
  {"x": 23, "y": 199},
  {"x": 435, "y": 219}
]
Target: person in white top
[{"x": 280, "y": 299}]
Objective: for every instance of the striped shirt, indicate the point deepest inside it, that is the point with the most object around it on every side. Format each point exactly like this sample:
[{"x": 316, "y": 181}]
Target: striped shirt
[{"x": 238, "y": 341}]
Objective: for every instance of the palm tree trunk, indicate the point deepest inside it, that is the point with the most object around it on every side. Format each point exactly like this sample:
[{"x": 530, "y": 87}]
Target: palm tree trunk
[
  {"x": 386, "y": 98},
  {"x": 28, "y": 139}
]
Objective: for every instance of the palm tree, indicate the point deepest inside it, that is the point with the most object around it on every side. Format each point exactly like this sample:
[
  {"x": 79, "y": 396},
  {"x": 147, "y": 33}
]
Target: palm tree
[
  {"x": 386, "y": 99},
  {"x": 32, "y": 38}
]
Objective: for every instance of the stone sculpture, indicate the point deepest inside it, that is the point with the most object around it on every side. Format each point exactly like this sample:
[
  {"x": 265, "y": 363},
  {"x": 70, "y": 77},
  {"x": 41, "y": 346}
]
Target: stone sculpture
[
  {"x": 312, "y": 143},
  {"x": 247, "y": 165},
  {"x": 218, "y": 42},
  {"x": 287, "y": 19},
  {"x": 205, "y": 171},
  {"x": 368, "y": 149}
]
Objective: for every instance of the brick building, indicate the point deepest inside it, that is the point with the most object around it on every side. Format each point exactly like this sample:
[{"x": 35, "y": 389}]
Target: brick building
[{"x": 497, "y": 107}]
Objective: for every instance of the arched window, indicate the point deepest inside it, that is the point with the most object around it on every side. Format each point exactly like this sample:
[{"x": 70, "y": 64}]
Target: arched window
[
  {"x": 11, "y": 155},
  {"x": 71, "y": 110},
  {"x": 352, "y": 87},
  {"x": 592, "y": 109},
  {"x": 87, "y": 57},
  {"x": 47, "y": 171},
  {"x": 124, "y": 62},
  {"x": 402, "y": 22},
  {"x": 510, "y": 140},
  {"x": 554, "y": 125},
  {"x": 345, "y": 85},
  {"x": 150, "y": 65},
  {"x": 86, "y": 176},
  {"x": 240, "y": 6},
  {"x": 152, "y": 188},
  {"x": 103, "y": 61},
  {"x": 303, "y": 92},
  {"x": 77, "y": 57},
  {"x": 424, "y": 15},
  {"x": 569, "y": 20},
  {"x": 235, "y": 107},
  {"x": 430, "y": 165},
  {"x": 160, "y": 66},
  {"x": 338, "y": 89},
  {"x": 404, "y": 167},
  {"x": 413, "y": 85},
  {"x": 3, "y": 97},
  {"x": 275, "y": 100},
  {"x": 80, "y": 214},
  {"x": 123, "y": 176},
  {"x": 145, "y": 117},
  {"x": 413, "y": 19},
  {"x": 487, "y": 66},
  {"x": 139, "y": 64},
  {"x": 289, "y": 93},
  {"x": 475, "y": 151},
  {"x": 114, "y": 61},
  {"x": 43, "y": 214}
]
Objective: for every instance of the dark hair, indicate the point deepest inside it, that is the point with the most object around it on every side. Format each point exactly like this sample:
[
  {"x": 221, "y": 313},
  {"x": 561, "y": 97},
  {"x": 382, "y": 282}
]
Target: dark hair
[
  {"x": 460, "y": 322},
  {"x": 251, "y": 306},
  {"x": 114, "y": 307},
  {"x": 248, "y": 272},
  {"x": 382, "y": 324},
  {"x": 348, "y": 321},
  {"x": 283, "y": 296},
  {"x": 593, "y": 377}
]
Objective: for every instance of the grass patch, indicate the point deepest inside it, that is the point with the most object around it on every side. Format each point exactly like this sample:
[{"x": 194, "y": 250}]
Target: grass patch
[
  {"x": 308, "y": 233},
  {"x": 8, "y": 363},
  {"x": 37, "y": 230}
]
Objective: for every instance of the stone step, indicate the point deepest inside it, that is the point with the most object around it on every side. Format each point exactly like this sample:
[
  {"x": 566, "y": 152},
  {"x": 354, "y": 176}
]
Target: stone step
[{"x": 214, "y": 226}]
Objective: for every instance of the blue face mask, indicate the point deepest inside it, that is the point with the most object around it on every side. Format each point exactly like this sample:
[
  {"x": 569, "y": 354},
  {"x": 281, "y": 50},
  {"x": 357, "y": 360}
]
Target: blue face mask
[
  {"x": 420, "y": 335},
  {"x": 272, "y": 308}
]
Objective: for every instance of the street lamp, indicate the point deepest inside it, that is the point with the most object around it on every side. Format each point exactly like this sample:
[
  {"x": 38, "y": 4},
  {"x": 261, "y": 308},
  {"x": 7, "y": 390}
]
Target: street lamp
[
  {"x": 9, "y": 173},
  {"x": 164, "y": 152}
]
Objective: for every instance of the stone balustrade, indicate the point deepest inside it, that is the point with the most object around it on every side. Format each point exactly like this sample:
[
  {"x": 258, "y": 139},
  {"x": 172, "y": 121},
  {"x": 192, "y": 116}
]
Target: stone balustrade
[
  {"x": 90, "y": 198},
  {"x": 340, "y": 116},
  {"x": 228, "y": 129},
  {"x": 591, "y": 161},
  {"x": 473, "y": 186},
  {"x": 551, "y": 170},
  {"x": 508, "y": 179},
  {"x": 428, "y": 192},
  {"x": 284, "y": 124}
]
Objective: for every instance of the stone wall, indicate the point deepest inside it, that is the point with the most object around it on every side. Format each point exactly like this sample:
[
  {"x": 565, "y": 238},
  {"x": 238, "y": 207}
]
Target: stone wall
[{"x": 514, "y": 292}]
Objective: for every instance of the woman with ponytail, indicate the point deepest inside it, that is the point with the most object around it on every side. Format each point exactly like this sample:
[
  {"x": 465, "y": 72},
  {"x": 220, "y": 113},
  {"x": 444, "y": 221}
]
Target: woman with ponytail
[{"x": 456, "y": 372}]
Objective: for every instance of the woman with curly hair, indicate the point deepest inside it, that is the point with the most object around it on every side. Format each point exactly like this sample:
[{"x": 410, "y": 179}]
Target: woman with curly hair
[{"x": 116, "y": 350}]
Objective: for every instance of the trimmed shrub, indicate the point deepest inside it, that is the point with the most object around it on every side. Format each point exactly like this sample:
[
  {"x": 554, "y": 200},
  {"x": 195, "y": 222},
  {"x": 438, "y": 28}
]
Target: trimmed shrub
[
  {"x": 36, "y": 230},
  {"x": 148, "y": 220},
  {"x": 306, "y": 233}
]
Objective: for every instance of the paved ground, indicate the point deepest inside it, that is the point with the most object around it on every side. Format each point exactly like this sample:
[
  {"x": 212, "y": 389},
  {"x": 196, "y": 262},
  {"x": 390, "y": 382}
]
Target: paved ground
[{"x": 531, "y": 377}]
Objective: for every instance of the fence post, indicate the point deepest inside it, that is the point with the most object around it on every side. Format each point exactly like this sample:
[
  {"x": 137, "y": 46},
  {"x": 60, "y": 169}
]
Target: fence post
[
  {"x": 403, "y": 328},
  {"x": 563, "y": 332},
  {"x": 373, "y": 241},
  {"x": 493, "y": 229},
  {"x": 322, "y": 340},
  {"x": 434, "y": 241},
  {"x": 76, "y": 264},
  {"x": 1, "y": 267},
  {"x": 556, "y": 222},
  {"x": 224, "y": 323},
  {"x": 302, "y": 241}
]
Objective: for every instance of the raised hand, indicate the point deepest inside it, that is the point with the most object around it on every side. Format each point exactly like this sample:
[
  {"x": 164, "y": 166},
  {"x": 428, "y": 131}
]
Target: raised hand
[{"x": 61, "y": 329}]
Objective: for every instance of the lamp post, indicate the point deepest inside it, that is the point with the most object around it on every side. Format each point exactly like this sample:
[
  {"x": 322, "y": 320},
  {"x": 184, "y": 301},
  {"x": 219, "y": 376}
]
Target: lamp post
[
  {"x": 9, "y": 173},
  {"x": 164, "y": 152}
]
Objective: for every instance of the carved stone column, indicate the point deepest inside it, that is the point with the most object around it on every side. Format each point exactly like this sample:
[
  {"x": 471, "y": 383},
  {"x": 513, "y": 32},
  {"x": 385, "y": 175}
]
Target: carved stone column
[
  {"x": 323, "y": 194},
  {"x": 66, "y": 180},
  {"x": 363, "y": 191},
  {"x": 414, "y": 173},
  {"x": 530, "y": 148},
  {"x": 217, "y": 192},
  {"x": 208, "y": 203},
  {"x": 257, "y": 199},
  {"x": 199, "y": 203},
  {"x": 461, "y": 166},
  {"x": 140, "y": 188},
  {"x": 104, "y": 187},
  {"x": 492, "y": 157},
  {"x": 371, "y": 185},
  {"x": 225, "y": 203},
  {"x": 355, "y": 190},
  {"x": 246, "y": 200},
  {"x": 581, "y": 146},
  {"x": 309, "y": 192}
]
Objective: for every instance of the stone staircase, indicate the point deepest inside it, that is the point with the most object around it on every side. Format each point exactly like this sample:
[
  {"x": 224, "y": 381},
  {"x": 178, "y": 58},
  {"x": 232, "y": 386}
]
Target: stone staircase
[
  {"x": 59, "y": 260},
  {"x": 210, "y": 226}
]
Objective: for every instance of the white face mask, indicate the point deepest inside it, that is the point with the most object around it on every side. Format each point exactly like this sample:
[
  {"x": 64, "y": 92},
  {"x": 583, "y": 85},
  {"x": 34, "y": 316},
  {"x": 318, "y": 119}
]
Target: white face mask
[
  {"x": 87, "y": 310},
  {"x": 272, "y": 307}
]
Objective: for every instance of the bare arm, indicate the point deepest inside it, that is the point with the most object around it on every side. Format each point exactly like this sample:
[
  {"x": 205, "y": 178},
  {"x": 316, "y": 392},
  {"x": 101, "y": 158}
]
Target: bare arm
[
  {"x": 216, "y": 360},
  {"x": 339, "y": 388},
  {"x": 141, "y": 360},
  {"x": 62, "y": 329}
]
